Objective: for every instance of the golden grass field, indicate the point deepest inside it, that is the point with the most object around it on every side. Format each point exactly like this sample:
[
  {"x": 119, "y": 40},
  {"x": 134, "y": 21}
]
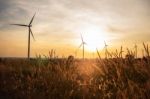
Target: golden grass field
[{"x": 70, "y": 78}]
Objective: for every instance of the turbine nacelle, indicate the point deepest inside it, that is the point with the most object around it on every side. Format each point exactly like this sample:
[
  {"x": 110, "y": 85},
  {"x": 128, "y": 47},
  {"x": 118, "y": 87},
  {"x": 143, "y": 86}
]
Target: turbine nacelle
[
  {"x": 30, "y": 26},
  {"x": 84, "y": 43}
]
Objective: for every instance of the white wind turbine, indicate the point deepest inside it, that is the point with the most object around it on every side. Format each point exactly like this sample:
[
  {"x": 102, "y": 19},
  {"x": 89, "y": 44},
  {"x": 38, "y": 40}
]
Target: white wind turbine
[
  {"x": 106, "y": 51},
  {"x": 82, "y": 44},
  {"x": 30, "y": 32}
]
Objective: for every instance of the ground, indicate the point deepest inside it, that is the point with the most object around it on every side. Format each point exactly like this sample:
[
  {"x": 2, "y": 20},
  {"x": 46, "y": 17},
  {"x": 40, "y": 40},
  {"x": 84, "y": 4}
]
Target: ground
[{"x": 77, "y": 79}]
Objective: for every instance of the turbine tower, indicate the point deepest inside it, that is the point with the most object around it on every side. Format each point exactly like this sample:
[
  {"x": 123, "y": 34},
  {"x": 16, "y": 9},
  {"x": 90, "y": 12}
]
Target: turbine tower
[
  {"x": 106, "y": 51},
  {"x": 82, "y": 44},
  {"x": 30, "y": 32}
]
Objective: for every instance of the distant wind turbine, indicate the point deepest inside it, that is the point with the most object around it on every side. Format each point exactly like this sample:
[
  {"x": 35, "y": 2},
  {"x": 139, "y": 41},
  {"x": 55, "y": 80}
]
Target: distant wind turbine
[
  {"x": 82, "y": 44},
  {"x": 30, "y": 32},
  {"x": 105, "y": 47}
]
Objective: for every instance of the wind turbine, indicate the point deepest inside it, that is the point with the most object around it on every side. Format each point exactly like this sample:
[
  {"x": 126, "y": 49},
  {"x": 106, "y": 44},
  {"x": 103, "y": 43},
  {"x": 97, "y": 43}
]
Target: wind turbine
[
  {"x": 82, "y": 44},
  {"x": 30, "y": 32},
  {"x": 105, "y": 47}
]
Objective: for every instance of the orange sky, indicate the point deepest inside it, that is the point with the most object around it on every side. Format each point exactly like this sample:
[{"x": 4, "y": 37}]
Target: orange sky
[{"x": 59, "y": 23}]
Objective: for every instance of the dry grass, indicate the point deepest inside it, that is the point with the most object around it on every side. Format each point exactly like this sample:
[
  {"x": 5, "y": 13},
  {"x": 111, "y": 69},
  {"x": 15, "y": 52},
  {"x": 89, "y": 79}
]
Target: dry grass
[{"x": 53, "y": 78}]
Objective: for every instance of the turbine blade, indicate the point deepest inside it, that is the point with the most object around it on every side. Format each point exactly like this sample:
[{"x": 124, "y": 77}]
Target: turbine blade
[
  {"x": 81, "y": 38},
  {"x": 32, "y": 34},
  {"x": 20, "y": 25},
  {"x": 80, "y": 45},
  {"x": 78, "y": 48},
  {"x": 32, "y": 19}
]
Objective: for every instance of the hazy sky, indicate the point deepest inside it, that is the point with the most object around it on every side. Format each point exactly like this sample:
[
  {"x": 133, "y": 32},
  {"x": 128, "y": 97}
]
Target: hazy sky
[{"x": 59, "y": 23}]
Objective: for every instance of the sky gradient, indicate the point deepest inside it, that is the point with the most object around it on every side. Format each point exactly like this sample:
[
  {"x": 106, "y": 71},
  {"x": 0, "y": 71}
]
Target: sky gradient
[{"x": 59, "y": 23}]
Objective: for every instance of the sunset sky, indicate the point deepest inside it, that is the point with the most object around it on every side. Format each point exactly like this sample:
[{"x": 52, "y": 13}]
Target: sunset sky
[{"x": 59, "y": 23}]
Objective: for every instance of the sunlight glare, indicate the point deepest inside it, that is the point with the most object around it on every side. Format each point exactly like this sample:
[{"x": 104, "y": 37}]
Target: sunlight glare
[{"x": 94, "y": 37}]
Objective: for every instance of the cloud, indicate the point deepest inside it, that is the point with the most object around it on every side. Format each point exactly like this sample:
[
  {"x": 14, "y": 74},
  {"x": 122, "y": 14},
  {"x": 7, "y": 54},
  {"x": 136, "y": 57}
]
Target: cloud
[
  {"x": 113, "y": 29},
  {"x": 59, "y": 19},
  {"x": 69, "y": 11}
]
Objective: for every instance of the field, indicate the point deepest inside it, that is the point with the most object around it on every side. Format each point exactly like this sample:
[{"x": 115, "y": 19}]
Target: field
[{"x": 70, "y": 78}]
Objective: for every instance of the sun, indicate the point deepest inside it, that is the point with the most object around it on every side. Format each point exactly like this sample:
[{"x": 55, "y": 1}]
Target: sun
[{"x": 94, "y": 37}]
